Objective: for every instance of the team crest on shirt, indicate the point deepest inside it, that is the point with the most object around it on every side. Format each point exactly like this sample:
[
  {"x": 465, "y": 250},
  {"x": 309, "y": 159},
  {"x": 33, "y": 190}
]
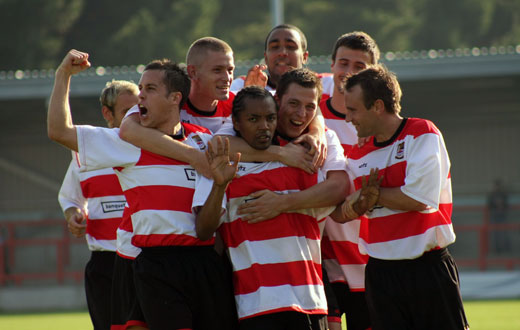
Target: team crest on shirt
[
  {"x": 199, "y": 142},
  {"x": 400, "y": 151},
  {"x": 190, "y": 174}
]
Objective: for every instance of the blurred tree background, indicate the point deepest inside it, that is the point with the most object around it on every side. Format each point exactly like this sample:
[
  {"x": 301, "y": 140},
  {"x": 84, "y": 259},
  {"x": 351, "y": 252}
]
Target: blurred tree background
[{"x": 37, "y": 33}]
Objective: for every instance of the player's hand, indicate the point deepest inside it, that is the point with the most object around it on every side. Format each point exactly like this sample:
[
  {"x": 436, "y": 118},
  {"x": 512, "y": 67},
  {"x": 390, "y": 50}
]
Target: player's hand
[
  {"x": 369, "y": 194},
  {"x": 317, "y": 148},
  {"x": 295, "y": 155},
  {"x": 76, "y": 224},
  {"x": 222, "y": 171},
  {"x": 261, "y": 205},
  {"x": 256, "y": 76},
  {"x": 74, "y": 62}
]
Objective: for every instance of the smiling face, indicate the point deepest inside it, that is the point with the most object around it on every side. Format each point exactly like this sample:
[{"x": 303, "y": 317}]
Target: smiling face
[
  {"x": 156, "y": 105},
  {"x": 284, "y": 52},
  {"x": 347, "y": 63},
  {"x": 211, "y": 78},
  {"x": 297, "y": 109},
  {"x": 256, "y": 123},
  {"x": 357, "y": 113}
]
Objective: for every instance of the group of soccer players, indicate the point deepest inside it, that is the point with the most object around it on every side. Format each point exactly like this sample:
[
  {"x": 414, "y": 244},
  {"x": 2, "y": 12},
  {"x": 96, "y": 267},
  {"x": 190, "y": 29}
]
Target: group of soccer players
[{"x": 210, "y": 203}]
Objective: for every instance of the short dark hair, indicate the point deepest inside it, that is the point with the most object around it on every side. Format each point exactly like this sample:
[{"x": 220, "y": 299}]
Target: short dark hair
[
  {"x": 248, "y": 93},
  {"x": 175, "y": 78},
  {"x": 288, "y": 27},
  {"x": 378, "y": 83},
  {"x": 358, "y": 40},
  {"x": 303, "y": 77}
]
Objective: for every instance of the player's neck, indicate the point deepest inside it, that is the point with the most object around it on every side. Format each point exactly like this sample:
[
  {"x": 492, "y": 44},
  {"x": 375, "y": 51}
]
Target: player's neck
[
  {"x": 202, "y": 102},
  {"x": 337, "y": 101},
  {"x": 388, "y": 127}
]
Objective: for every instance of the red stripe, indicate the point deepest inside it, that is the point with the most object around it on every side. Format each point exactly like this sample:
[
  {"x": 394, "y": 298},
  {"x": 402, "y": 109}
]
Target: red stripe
[
  {"x": 292, "y": 273},
  {"x": 101, "y": 186},
  {"x": 347, "y": 253},
  {"x": 293, "y": 178},
  {"x": 394, "y": 176},
  {"x": 326, "y": 248},
  {"x": 169, "y": 240},
  {"x": 150, "y": 158},
  {"x": 103, "y": 229},
  {"x": 346, "y": 149},
  {"x": 159, "y": 198},
  {"x": 126, "y": 222},
  {"x": 284, "y": 225},
  {"x": 288, "y": 309},
  {"x": 192, "y": 128},
  {"x": 403, "y": 225}
]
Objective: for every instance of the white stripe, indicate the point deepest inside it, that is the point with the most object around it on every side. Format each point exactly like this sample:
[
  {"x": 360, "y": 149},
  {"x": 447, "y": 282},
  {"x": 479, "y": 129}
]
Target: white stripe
[
  {"x": 100, "y": 244},
  {"x": 157, "y": 175},
  {"x": 275, "y": 251},
  {"x": 307, "y": 297},
  {"x": 106, "y": 207},
  {"x": 163, "y": 222},
  {"x": 124, "y": 244},
  {"x": 343, "y": 232}
]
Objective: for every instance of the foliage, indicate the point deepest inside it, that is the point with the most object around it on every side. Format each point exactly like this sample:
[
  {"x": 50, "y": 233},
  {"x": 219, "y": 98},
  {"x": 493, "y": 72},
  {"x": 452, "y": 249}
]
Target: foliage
[{"x": 37, "y": 33}]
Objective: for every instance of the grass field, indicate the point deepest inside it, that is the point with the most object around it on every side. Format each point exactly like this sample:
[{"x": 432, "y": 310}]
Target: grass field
[{"x": 482, "y": 315}]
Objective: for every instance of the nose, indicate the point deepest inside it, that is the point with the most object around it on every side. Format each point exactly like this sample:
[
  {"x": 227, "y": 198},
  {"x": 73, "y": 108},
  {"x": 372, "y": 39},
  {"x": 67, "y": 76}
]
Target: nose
[{"x": 263, "y": 125}]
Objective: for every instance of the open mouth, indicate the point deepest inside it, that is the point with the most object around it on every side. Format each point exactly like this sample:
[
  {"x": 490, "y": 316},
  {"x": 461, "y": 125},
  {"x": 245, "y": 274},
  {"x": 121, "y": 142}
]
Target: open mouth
[
  {"x": 296, "y": 122},
  {"x": 142, "y": 110}
]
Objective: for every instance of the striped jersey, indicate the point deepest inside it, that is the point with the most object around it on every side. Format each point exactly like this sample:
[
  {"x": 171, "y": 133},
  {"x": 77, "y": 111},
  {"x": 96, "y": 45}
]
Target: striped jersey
[
  {"x": 161, "y": 192},
  {"x": 341, "y": 257},
  {"x": 211, "y": 120},
  {"x": 99, "y": 196},
  {"x": 276, "y": 263},
  {"x": 416, "y": 160}
]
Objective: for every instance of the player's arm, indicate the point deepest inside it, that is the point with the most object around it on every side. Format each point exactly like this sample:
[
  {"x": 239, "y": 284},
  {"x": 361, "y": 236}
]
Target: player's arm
[
  {"x": 72, "y": 202},
  {"x": 157, "y": 142},
  {"x": 75, "y": 221},
  {"x": 268, "y": 204},
  {"x": 208, "y": 216},
  {"x": 59, "y": 120},
  {"x": 291, "y": 154}
]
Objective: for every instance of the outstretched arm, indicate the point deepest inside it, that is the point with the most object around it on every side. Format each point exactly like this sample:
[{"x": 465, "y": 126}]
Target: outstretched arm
[
  {"x": 268, "y": 204},
  {"x": 155, "y": 141},
  {"x": 208, "y": 217},
  {"x": 59, "y": 120}
]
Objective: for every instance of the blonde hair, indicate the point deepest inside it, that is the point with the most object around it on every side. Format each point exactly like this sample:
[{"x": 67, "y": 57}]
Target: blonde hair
[{"x": 115, "y": 88}]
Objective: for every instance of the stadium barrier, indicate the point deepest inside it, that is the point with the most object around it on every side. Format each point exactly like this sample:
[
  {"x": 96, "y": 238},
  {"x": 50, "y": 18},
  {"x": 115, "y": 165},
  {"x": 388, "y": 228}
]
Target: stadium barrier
[{"x": 10, "y": 243}]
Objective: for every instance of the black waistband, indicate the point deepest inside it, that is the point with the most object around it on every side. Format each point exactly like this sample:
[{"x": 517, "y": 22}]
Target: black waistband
[{"x": 438, "y": 254}]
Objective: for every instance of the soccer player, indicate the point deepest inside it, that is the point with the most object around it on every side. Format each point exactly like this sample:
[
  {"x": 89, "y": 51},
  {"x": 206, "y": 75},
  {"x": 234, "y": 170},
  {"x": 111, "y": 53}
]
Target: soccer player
[
  {"x": 93, "y": 204},
  {"x": 344, "y": 264},
  {"x": 411, "y": 280},
  {"x": 276, "y": 263},
  {"x": 175, "y": 268}
]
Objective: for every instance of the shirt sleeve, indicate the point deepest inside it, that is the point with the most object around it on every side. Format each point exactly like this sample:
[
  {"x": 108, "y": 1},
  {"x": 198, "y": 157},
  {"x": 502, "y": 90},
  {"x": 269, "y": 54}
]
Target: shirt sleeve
[
  {"x": 427, "y": 169},
  {"x": 335, "y": 160},
  {"x": 70, "y": 194},
  {"x": 203, "y": 187},
  {"x": 100, "y": 147},
  {"x": 237, "y": 84},
  {"x": 227, "y": 128}
]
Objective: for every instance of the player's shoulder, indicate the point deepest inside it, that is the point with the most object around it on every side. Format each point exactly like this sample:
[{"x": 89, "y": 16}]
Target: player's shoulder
[
  {"x": 194, "y": 129},
  {"x": 420, "y": 126}
]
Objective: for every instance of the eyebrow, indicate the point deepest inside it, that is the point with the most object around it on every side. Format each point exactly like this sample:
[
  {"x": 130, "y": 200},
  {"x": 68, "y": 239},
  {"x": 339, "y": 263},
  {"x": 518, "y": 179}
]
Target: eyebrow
[{"x": 286, "y": 39}]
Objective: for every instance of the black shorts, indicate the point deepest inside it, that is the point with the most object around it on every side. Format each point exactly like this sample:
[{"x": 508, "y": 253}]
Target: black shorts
[
  {"x": 422, "y": 293},
  {"x": 285, "y": 321},
  {"x": 185, "y": 287},
  {"x": 125, "y": 307},
  {"x": 334, "y": 314},
  {"x": 353, "y": 304},
  {"x": 98, "y": 281}
]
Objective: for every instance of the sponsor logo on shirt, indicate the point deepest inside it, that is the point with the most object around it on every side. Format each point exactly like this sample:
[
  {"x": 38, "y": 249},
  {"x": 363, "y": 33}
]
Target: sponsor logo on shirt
[
  {"x": 113, "y": 206},
  {"x": 400, "y": 151},
  {"x": 199, "y": 142},
  {"x": 363, "y": 165},
  {"x": 190, "y": 174}
]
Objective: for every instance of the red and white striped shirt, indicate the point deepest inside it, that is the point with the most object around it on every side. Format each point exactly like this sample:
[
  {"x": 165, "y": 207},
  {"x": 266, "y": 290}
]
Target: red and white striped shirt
[
  {"x": 276, "y": 263},
  {"x": 417, "y": 161},
  {"x": 99, "y": 196},
  {"x": 161, "y": 192},
  {"x": 212, "y": 120},
  {"x": 341, "y": 257}
]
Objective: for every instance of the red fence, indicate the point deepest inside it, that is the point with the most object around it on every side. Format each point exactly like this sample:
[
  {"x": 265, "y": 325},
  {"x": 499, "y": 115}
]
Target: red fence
[{"x": 9, "y": 243}]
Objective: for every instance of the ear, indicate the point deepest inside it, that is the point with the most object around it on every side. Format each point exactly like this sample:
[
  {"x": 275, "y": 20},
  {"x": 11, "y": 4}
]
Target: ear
[
  {"x": 107, "y": 115},
  {"x": 379, "y": 106},
  {"x": 235, "y": 123},
  {"x": 305, "y": 57},
  {"x": 192, "y": 71},
  {"x": 175, "y": 97},
  {"x": 332, "y": 64}
]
